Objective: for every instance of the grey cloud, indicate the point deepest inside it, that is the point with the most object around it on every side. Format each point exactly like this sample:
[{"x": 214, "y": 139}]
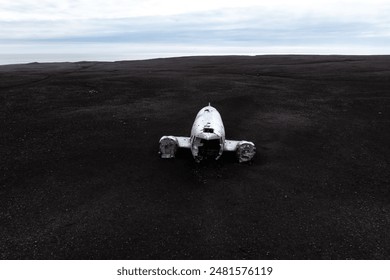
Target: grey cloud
[{"x": 231, "y": 26}]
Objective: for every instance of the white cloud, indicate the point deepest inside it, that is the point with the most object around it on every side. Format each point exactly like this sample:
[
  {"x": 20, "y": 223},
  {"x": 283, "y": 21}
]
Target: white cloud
[
  {"x": 239, "y": 25},
  {"x": 239, "y": 21},
  {"x": 87, "y": 9}
]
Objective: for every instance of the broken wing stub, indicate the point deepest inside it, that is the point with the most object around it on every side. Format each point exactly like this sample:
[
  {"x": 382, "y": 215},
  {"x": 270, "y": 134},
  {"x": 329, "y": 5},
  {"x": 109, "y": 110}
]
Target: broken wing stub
[
  {"x": 170, "y": 144},
  {"x": 245, "y": 150}
]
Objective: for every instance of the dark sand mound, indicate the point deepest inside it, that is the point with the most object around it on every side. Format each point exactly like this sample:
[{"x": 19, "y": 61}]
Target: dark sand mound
[{"x": 81, "y": 177}]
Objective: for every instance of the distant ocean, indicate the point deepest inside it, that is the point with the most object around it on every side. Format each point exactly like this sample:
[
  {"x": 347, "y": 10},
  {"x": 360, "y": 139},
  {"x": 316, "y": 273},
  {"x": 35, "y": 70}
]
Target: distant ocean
[
  {"x": 16, "y": 54},
  {"x": 72, "y": 57}
]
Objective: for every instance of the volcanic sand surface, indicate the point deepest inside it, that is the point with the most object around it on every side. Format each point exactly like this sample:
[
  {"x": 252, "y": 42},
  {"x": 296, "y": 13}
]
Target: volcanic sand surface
[{"x": 81, "y": 177}]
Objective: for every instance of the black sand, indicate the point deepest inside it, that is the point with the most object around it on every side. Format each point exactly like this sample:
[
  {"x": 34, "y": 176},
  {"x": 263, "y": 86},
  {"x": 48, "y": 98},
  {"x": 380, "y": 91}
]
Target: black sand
[{"x": 81, "y": 177}]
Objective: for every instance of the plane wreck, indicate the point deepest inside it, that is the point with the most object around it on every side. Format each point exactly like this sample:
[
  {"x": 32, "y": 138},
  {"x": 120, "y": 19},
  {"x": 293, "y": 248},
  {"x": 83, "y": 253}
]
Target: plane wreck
[{"x": 207, "y": 140}]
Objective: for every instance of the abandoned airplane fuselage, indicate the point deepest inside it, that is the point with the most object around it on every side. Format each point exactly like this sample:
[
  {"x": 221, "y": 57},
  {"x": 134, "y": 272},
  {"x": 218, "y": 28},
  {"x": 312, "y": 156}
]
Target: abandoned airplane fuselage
[{"x": 207, "y": 140}]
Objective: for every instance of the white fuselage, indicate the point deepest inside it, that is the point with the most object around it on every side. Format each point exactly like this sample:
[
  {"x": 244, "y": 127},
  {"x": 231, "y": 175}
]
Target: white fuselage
[{"x": 207, "y": 134}]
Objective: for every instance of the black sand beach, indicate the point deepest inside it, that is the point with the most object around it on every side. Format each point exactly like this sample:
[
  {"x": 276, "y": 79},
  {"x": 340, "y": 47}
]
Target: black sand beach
[{"x": 81, "y": 177}]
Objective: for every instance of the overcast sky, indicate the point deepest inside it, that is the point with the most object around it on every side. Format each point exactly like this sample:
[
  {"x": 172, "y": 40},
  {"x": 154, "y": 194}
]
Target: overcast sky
[{"x": 120, "y": 29}]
